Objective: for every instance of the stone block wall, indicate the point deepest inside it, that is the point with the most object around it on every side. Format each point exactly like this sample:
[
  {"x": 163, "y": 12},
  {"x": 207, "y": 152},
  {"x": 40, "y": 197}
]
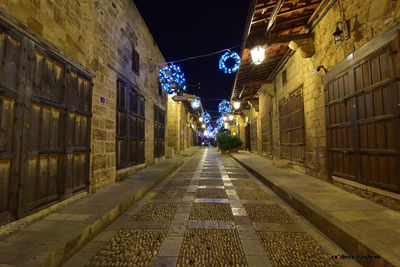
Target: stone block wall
[
  {"x": 179, "y": 126},
  {"x": 99, "y": 34}
]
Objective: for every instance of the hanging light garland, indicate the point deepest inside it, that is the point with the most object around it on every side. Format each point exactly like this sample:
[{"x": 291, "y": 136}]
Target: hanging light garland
[
  {"x": 225, "y": 107},
  {"x": 195, "y": 104},
  {"x": 172, "y": 79},
  {"x": 225, "y": 57},
  {"x": 206, "y": 117},
  {"x": 220, "y": 122}
]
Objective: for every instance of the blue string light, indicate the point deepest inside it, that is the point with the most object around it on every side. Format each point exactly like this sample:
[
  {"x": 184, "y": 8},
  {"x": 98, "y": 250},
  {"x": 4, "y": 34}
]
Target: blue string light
[
  {"x": 206, "y": 117},
  {"x": 225, "y": 57},
  {"x": 195, "y": 104},
  {"x": 172, "y": 79},
  {"x": 225, "y": 107},
  {"x": 220, "y": 122}
]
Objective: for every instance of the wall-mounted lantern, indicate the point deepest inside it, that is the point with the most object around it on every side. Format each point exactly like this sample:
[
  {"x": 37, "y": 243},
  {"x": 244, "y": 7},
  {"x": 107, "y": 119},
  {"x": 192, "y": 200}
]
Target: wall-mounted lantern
[{"x": 258, "y": 54}]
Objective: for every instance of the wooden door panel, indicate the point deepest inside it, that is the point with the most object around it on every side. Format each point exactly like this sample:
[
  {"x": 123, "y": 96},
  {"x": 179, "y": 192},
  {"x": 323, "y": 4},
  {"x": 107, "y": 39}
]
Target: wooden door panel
[
  {"x": 368, "y": 141},
  {"x": 292, "y": 129},
  {"x": 44, "y": 93}
]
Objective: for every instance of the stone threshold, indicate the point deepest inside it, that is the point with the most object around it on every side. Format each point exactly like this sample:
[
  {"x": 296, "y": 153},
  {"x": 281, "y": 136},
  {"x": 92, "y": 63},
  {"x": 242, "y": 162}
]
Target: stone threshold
[
  {"x": 337, "y": 231},
  {"x": 51, "y": 240}
]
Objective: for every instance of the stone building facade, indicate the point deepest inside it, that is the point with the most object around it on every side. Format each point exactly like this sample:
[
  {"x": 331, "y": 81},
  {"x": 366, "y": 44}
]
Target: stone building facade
[
  {"x": 304, "y": 78},
  {"x": 182, "y": 125},
  {"x": 110, "y": 41}
]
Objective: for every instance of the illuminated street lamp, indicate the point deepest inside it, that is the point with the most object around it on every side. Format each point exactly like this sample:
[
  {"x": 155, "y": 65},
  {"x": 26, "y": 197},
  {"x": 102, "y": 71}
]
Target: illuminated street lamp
[
  {"x": 236, "y": 105},
  {"x": 258, "y": 54}
]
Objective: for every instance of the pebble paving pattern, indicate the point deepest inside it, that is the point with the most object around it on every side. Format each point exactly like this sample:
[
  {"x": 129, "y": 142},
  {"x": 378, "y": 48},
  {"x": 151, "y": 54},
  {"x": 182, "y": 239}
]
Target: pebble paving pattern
[
  {"x": 238, "y": 176},
  {"x": 294, "y": 249},
  {"x": 169, "y": 194},
  {"x": 211, "y": 247},
  {"x": 178, "y": 182},
  {"x": 211, "y": 212},
  {"x": 211, "y": 182},
  {"x": 211, "y": 193},
  {"x": 244, "y": 183},
  {"x": 266, "y": 213},
  {"x": 156, "y": 212},
  {"x": 252, "y": 194},
  {"x": 130, "y": 248}
]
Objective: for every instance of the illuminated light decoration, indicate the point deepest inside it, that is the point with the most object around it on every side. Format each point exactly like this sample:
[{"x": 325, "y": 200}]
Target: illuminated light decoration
[
  {"x": 220, "y": 122},
  {"x": 225, "y": 57},
  {"x": 210, "y": 129},
  {"x": 258, "y": 54},
  {"x": 203, "y": 126},
  {"x": 172, "y": 79},
  {"x": 201, "y": 119},
  {"x": 230, "y": 117},
  {"x": 225, "y": 107},
  {"x": 195, "y": 104},
  {"x": 206, "y": 117},
  {"x": 226, "y": 125},
  {"x": 236, "y": 105},
  {"x": 224, "y": 118}
]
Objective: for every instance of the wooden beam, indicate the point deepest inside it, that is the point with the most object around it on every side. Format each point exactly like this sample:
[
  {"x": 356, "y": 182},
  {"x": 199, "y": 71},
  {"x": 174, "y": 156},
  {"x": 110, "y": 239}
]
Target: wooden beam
[
  {"x": 316, "y": 13},
  {"x": 274, "y": 13},
  {"x": 287, "y": 12}
]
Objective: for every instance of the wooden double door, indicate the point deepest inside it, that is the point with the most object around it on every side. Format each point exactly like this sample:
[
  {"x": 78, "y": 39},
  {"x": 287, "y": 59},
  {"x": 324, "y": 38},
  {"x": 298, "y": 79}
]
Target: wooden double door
[
  {"x": 363, "y": 127},
  {"x": 45, "y": 111}
]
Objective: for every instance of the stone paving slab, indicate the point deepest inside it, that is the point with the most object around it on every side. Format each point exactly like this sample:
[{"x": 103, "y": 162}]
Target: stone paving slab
[
  {"x": 358, "y": 225},
  {"x": 52, "y": 239}
]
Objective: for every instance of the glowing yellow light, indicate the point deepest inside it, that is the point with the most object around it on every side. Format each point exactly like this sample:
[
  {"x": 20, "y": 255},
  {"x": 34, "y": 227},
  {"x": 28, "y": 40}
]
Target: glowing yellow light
[
  {"x": 236, "y": 105},
  {"x": 201, "y": 119},
  {"x": 258, "y": 54},
  {"x": 230, "y": 117},
  {"x": 225, "y": 118},
  {"x": 203, "y": 126}
]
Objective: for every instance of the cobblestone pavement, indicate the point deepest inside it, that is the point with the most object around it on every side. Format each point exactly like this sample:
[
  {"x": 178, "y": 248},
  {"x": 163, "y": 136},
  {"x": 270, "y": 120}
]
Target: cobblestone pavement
[{"x": 210, "y": 212}]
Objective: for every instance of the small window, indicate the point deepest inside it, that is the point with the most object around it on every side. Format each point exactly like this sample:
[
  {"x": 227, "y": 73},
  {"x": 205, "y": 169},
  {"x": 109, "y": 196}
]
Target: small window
[
  {"x": 284, "y": 78},
  {"x": 135, "y": 61},
  {"x": 159, "y": 88}
]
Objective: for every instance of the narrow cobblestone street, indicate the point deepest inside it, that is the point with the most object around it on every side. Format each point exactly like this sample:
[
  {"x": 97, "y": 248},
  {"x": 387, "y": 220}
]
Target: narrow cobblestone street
[{"x": 210, "y": 212}]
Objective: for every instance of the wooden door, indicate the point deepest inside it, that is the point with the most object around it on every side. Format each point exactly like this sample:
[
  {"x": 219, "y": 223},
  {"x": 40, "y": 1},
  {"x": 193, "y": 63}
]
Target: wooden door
[
  {"x": 292, "y": 129},
  {"x": 248, "y": 137},
  {"x": 45, "y": 106},
  {"x": 253, "y": 135},
  {"x": 266, "y": 130},
  {"x": 363, "y": 126}
]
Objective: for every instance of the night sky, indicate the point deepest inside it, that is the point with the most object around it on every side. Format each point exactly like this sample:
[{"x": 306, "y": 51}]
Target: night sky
[{"x": 189, "y": 28}]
